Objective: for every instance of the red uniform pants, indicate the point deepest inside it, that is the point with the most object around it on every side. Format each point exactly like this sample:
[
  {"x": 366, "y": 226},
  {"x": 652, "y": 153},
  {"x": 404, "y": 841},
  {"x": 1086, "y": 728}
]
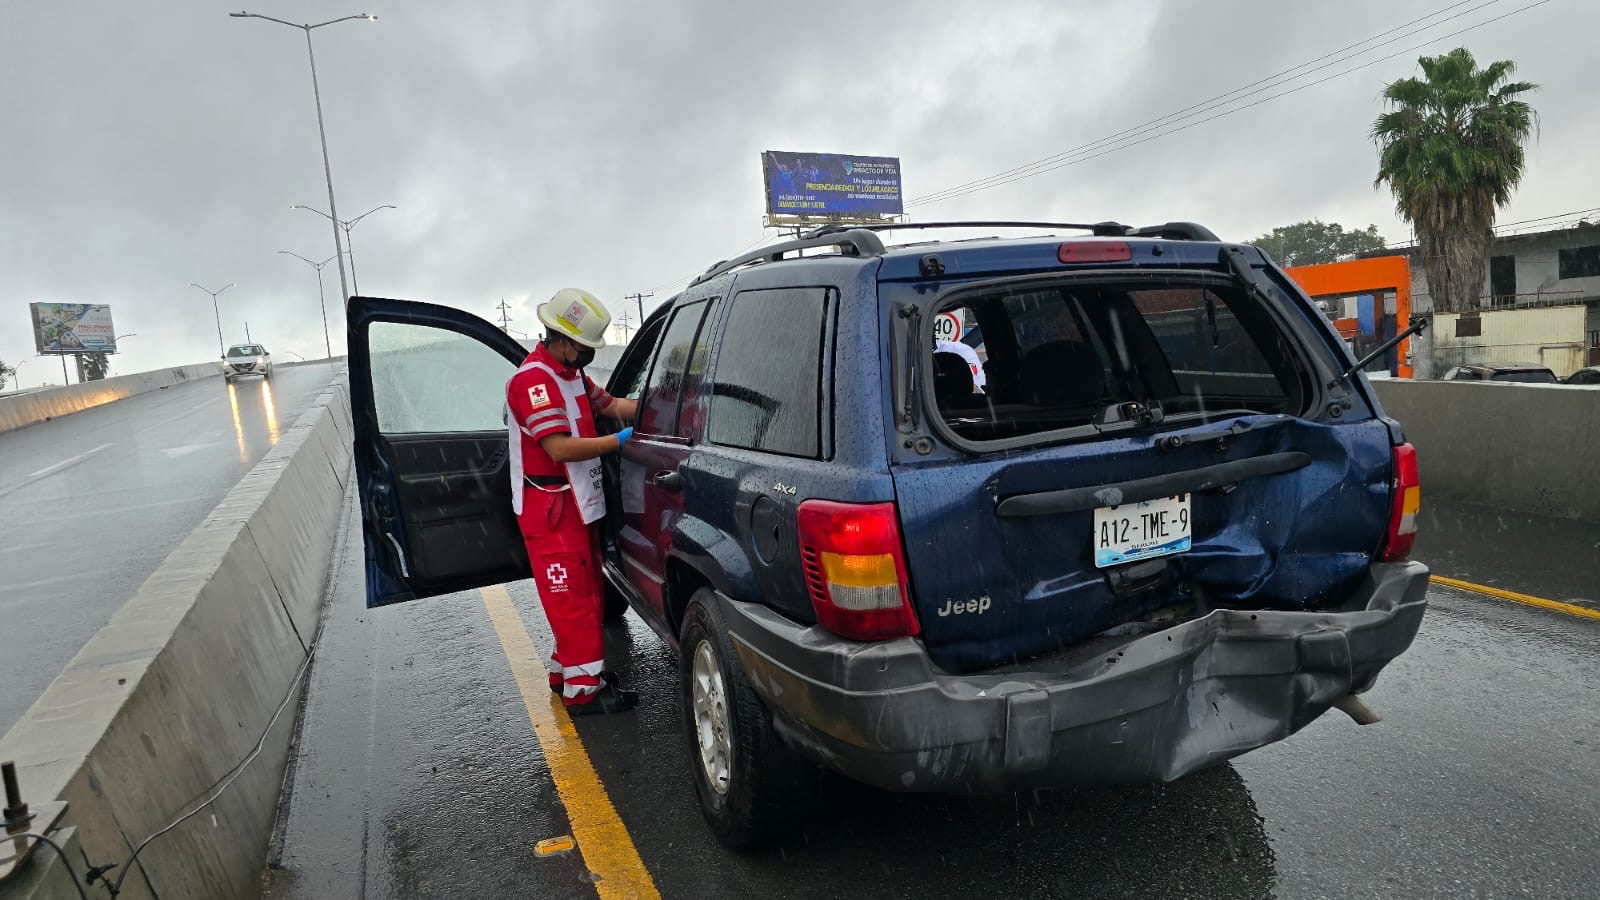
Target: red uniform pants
[{"x": 565, "y": 556}]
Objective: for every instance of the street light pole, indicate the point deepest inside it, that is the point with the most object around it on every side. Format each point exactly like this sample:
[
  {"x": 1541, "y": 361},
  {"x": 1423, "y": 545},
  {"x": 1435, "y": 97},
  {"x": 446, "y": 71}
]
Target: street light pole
[
  {"x": 347, "y": 225},
  {"x": 322, "y": 131},
  {"x": 322, "y": 300},
  {"x": 217, "y": 311}
]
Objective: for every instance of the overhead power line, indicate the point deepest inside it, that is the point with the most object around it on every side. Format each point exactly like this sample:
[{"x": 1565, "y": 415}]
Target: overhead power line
[
  {"x": 1217, "y": 100},
  {"x": 1553, "y": 221},
  {"x": 1170, "y": 124}
]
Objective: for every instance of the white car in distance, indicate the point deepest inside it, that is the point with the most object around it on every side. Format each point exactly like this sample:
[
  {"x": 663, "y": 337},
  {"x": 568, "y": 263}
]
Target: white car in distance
[{"x": 246, "y": 359}]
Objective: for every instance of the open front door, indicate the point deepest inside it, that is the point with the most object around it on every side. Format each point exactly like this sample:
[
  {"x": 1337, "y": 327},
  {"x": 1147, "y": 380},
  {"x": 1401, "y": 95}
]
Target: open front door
[{"x": 427, "y": 395}]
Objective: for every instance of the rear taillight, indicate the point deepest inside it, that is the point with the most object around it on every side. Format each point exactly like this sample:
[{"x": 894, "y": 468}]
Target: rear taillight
[
  {"x": 855, "y": 569},
  {"x": 1404, "y": 506},
  {"x": 1094, "y": 251}
]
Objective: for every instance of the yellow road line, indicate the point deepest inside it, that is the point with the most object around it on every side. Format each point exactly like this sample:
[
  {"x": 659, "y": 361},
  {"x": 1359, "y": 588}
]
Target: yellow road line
[
  {"x": 1568, "y": 608},
  {"x": 604, "y": 842}
]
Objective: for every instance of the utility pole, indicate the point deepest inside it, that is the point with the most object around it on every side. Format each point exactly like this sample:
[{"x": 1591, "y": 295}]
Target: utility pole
[
  {"x": 216, "y": 311},
  {"x": 505, "y": 315},
  {"x": 322, "y": 301},
  {"x": 639, "y": 299},
  {"x": 624, "y": 323},
  {"x": 322, "y": 132}
]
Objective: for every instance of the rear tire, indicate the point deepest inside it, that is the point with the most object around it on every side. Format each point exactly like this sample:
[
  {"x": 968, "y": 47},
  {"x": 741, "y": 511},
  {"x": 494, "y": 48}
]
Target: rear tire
[{"x": 764, "y": 788}]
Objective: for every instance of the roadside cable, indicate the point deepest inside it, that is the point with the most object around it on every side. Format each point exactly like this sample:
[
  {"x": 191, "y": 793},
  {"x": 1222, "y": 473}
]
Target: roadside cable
[{"x": 212, "y": 794}]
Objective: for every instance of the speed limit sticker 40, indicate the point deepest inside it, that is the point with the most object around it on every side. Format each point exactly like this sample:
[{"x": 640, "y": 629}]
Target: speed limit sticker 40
[{"x": 947, "y": 327}]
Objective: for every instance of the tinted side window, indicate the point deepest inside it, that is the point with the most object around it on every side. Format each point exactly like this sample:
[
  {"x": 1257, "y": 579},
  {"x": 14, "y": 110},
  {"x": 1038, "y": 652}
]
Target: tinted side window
[
  {"x": 768, "y": 393},
  {"x": 628, "y": 382},
  {"x": 659, "y": 415}
]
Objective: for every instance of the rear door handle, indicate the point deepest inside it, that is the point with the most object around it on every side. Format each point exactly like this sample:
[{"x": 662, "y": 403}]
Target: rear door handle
[{"x": 671, "y": 481}]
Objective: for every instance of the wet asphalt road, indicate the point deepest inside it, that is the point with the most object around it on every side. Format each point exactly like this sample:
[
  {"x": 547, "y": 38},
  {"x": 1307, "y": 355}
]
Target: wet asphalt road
[
  {"x": 91, "y": 503},
  {"x": 418, "y": 775}
]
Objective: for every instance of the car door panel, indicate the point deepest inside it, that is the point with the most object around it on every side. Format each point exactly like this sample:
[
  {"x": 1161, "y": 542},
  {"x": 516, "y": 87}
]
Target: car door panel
[
  {"x": 452, "y": 491},
  {"x": 650, "y": 463},
  {"x": 427, "y": 391}
]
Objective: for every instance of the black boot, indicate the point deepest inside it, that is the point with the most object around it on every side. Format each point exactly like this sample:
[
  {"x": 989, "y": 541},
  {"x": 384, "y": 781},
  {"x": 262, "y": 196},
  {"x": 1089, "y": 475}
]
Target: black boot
[{"x": 609, "y": 699}]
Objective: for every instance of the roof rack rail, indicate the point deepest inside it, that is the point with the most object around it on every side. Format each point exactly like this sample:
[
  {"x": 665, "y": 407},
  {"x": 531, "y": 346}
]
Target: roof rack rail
[
  {"x": 1177, "y": 231},
  {"x": 850, "y": 241},
  {"x": 1102, "y": 229}
]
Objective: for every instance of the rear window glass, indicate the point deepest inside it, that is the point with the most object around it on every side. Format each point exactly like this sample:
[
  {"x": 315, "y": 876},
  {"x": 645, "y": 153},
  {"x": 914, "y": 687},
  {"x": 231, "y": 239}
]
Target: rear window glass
[
  {"x": 1078, "y": 355},
  {"x": 768, "y": 393},
  {"x": 1538, "y": 376}
]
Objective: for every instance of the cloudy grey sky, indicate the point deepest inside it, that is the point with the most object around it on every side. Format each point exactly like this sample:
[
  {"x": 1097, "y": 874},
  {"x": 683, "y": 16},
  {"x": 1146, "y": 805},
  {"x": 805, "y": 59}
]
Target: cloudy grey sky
[{"x": 613, "y": 145}]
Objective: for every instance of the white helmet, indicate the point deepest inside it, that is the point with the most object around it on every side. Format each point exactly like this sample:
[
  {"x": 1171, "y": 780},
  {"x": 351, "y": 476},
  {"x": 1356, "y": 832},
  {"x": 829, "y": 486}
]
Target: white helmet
[{"x": 578, "y": 315}]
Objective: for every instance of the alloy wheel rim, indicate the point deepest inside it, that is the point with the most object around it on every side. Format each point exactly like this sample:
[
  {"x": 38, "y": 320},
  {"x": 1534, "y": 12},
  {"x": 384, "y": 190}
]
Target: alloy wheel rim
[{"x": 712, "y": 728}]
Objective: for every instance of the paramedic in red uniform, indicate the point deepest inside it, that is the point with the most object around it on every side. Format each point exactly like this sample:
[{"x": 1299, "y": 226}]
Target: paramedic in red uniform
[{"x": 556, "y": 490}]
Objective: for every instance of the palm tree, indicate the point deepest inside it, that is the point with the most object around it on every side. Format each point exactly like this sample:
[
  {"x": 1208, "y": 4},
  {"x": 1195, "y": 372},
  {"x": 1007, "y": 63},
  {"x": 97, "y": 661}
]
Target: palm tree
[{"x": 1450, "y": 149}]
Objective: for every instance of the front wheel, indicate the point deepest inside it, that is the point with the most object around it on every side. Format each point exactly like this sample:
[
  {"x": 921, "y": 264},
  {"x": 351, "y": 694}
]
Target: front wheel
[{"x": 750, "y": 784}]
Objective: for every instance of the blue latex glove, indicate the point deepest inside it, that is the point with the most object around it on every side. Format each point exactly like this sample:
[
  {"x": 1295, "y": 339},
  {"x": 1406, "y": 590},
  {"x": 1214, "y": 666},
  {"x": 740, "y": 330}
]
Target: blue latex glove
[{"x": 623, "y": 435}]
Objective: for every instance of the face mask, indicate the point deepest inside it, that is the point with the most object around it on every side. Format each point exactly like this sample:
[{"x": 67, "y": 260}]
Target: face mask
[{"x": 585, "y": 357}]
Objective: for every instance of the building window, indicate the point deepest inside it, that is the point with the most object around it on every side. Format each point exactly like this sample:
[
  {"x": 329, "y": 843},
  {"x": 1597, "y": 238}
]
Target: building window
[
  {"x": 1580, "y": 262},
  {"x": 1503, "y": 279}
]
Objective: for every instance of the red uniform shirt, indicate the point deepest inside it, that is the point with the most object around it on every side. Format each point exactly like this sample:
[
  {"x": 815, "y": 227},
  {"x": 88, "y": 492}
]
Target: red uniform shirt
[{"x": 539, "y": 407}]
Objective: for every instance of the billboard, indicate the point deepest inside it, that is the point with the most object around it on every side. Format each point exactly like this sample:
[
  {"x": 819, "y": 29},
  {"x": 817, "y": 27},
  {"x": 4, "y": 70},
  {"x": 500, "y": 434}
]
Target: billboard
[
  {"x": 831, "y": 185},
  {"x": 72, "y": 328}
]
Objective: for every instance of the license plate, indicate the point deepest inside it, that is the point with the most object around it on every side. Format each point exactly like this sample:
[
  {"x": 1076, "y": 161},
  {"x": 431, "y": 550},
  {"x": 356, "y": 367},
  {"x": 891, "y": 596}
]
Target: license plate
[{"x": 1143, "y": 530}]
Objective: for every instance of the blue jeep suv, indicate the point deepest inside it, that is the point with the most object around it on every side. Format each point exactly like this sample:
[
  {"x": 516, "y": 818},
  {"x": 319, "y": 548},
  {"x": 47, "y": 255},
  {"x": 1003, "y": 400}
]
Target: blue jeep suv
[{"x": 1144, "y": 518}]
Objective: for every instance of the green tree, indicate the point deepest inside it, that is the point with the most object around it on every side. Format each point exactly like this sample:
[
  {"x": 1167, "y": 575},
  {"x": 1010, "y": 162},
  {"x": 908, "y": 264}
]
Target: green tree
[
  {"x": 1316, "y": 241},
  {"x": 5, "y": 373},
  {"x": 93, "y": 366},
  {"x": 1450, "y": 148}
]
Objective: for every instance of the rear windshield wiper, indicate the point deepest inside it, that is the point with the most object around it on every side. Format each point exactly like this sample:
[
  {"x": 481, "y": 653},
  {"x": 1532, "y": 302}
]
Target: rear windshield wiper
[
  {"x": 1132, "y": 416},
  {"x": 910, "y": 368}
]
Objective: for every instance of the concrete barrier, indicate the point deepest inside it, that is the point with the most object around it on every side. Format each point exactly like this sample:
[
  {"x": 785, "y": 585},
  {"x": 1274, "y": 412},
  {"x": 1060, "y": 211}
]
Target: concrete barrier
[
  {"x": 1523, "y": 447},
  {"x": 19, "y": 410},
  {"x": 181, "y": 685}
]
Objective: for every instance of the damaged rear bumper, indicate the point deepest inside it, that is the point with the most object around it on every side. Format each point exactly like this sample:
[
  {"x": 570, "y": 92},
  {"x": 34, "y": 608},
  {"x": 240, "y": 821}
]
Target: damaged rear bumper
[{"x": 1154, "y": 709}]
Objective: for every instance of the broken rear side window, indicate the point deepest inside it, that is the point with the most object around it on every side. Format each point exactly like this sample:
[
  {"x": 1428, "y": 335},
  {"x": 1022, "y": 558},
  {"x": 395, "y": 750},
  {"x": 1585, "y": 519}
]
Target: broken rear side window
[{"x": 1089, "y": 356}]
